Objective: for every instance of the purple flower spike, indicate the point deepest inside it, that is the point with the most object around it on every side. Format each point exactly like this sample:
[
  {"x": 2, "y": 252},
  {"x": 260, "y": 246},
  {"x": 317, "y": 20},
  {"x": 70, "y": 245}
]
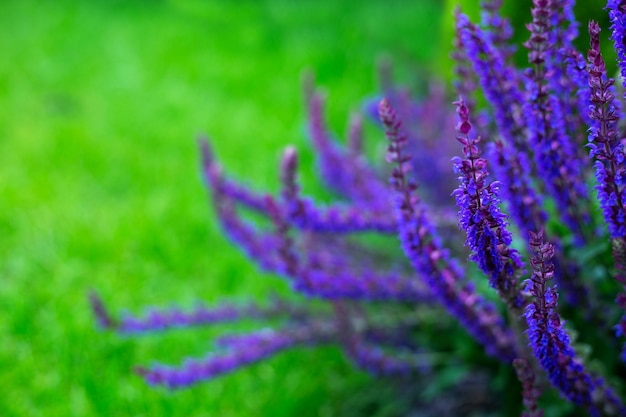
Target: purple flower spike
[
  {"x": 617, "y": 15},
  {"x": 556, "y": 158},
  {"x": 550, "y": 342},
  {"x": 422, "y": 247},
  {"x": 501, "y": 87},
  {"x": 248, "y": 350},
  {"x": 499, "y": 81},
  {"x": 608, "y": 152},
  {"x": 604, "y": 139},
  {"x": 481, "y": 218},
  {"x": 377, "y": 361},
  {"x": 161, "y": 319},
  {"x": 304, "y": 214},
  {"x": 173, "y": 318},
  {"x": 498, "y": 27},
  {"x": 564, "y": 24},
  {"x": 260, "y": 247},
  {"x": 568, "y": 80},
  {"x": 218, "y": 183},
  {"x": 530, "y": 392},
  {"x": 465, "y": 82},
  {"x": 576, "y": 108},
  {"x": 524, "y": 204},
  {"x": 350, "y": 177}
]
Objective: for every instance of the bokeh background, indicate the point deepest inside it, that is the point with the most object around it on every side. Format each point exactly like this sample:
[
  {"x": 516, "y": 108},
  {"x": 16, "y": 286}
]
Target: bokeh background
[{"x": 101, "y": 103}]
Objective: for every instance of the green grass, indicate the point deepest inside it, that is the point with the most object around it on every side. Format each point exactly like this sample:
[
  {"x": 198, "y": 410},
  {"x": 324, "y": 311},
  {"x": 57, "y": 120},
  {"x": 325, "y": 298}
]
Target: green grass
[{"x": 100, "y": 104}]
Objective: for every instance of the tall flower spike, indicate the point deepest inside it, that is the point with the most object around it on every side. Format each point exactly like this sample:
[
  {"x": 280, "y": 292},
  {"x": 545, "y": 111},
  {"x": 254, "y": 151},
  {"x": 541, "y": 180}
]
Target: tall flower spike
[
  {"x": 304, "y": 213},
  {"x": 161, "y": 319},
  {"x": 577, "y": 108},
  {"x": 511, "y": 168},
  {"x": 500, "y": 84},
  {"x": 568, "y": 79},
  {"x": 465, "y": 78},
  {"x": 324, "y": 272},
  {"x": 217, "y": 182},
  {"x": 564, "y": 24},
  {"x": 339, "y": 218},
  {"x": 498, "y": 27},
  {"x": 260, "y": 247},
  {"x": 608, "y": 152},
  {"x": 531, "y": 217},
  {"x": 569, "y": 84},
  {"x": 617, "y": 15},
  {"x": 245, "y": 350},
  {"x": 349, "y": 177},
  {"x": 422, "y": 247},
  {"x": 255, "y": 244},
  {"x": 530, "y": 392},
  {"x": 604, "y": 140},
  {"x": 551, "y": 344},
  {"x": 555, "y": 156},
  {"x": 481, "y": 218}
]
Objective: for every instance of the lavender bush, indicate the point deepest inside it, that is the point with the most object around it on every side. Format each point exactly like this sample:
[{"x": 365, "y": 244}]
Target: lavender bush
[{"x": 552, "y": 250}]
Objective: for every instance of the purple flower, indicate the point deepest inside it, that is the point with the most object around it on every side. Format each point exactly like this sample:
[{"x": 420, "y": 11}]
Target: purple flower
[
  {"x": 556, "y": 158},
  {"x": 530, "y": 392},
  {"x": 465, "y": 82},
  {"x": 346, "y": 173},
  {"x": 617, "y": 15},
  {"x": 568, "y": 79},
  {"x": 221, "y": 185},
  {"x": 501, "y": 86},
  {"x": 604, "y": 140},
  {"x": 241, "y": 351},
  {"x": 304, "y": 214},
  {"x": 422, "y": 246},
  {"x": 498, "y": 28},
  {"x": 608, "y": 152},
  {"x": 481, "y": 218},
  {"x": 524, "y": 204},
  {"x": 549, "y": 340},
  {"x": 499, "y": 81},
  {"x": 162, "y": 319}
]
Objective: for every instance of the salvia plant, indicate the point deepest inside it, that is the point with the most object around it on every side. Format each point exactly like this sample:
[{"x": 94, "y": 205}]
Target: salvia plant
[{"x": 534, "y": 160}]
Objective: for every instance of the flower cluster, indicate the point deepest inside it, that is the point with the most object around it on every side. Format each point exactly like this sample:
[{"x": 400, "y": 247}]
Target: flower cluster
[
  {"x": 523, "y": 199},
  {"x": 549, "y": 340},
  {"x": 481, "y": 217}
]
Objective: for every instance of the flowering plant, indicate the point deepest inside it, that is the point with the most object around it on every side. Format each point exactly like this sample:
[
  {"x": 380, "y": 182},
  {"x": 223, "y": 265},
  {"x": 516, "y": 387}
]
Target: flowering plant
[{"x": 524, "y": 165}]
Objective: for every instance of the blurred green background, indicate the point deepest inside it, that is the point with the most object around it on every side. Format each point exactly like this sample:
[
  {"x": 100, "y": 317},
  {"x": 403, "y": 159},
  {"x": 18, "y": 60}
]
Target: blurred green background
[{"x": 100, "y": 104}]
